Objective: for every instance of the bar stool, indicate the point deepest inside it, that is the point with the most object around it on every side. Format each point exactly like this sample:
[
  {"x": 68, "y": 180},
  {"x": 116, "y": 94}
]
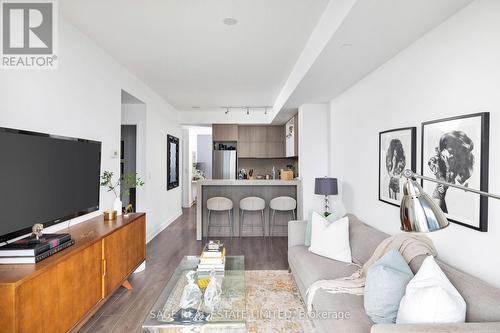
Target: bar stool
[
  {"x": 281, "y": 204},
  {"x": 252, "y": 204},
  {"x": 220, "y": 204}
]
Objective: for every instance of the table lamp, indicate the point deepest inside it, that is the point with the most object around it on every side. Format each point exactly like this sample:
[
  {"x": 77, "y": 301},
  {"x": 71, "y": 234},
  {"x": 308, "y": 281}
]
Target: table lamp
[{"x": 326, "y": 186}]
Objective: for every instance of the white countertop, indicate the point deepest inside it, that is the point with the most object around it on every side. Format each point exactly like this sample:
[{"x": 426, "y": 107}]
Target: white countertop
[{"x": 248, "y": 182}]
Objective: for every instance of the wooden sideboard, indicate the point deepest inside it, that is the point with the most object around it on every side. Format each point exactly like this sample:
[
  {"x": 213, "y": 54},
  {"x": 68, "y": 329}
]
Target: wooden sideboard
[{"x": 60, "y": 293}]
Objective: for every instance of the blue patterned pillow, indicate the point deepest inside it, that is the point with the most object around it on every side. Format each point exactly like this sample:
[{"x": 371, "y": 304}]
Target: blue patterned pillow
[{"x": 385, "y": 286}]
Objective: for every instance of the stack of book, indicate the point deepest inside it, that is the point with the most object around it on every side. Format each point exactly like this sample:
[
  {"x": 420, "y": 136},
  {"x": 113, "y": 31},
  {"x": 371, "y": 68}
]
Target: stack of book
[
  {"x": 212, "y": 259},
  {"x": 30, "y": 250}
]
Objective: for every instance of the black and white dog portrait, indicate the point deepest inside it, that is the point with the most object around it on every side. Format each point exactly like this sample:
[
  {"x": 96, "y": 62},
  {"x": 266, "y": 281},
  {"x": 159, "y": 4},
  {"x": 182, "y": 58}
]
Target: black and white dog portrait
[
  {"x": 455, "y": 150},
  {"x": 396, "y": 153}
]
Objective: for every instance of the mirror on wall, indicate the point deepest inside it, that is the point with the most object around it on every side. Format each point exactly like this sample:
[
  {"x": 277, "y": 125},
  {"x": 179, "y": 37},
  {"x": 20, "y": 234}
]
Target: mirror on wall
[{"x": 172, "y": 162}]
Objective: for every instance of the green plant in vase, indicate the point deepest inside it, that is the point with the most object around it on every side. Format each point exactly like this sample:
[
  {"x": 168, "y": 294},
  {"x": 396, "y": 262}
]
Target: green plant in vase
[{"x": 126, "y": 181}]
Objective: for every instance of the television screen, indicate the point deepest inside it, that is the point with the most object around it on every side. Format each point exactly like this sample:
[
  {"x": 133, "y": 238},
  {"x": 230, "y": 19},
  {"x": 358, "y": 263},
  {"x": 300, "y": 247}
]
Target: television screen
[{"x": 45, "y": 179}]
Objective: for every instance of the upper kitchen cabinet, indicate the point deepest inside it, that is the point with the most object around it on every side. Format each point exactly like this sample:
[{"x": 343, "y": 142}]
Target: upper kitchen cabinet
[
  {"x": 292, "y": 137},
  {"x": 244, "y": 133},
  {"x": 258, "y": 133},
  {"x": 275, "y": 134},
  {"x": 275, "y": 142},
  {"x": 224, "y": 132},
  {"x": 261, "y": 142}
]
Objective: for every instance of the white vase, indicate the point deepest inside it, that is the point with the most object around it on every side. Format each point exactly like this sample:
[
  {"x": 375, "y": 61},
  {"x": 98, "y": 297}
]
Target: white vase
[{"x": 117, "y": 205}]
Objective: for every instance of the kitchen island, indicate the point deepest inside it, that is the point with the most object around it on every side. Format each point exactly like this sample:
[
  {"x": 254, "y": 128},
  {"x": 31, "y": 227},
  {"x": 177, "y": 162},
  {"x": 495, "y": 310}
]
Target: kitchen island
[{"x": 237, "y": 190}]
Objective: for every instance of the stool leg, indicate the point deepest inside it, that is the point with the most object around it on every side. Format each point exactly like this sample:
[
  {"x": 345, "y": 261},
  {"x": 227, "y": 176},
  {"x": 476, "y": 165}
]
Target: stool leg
[
  {"x": 208, "y": 224},
  {"x": 262, "y": 221},
  {"x": 242, "y": 215},
  {"x": 232, "y": 223},
  {"x": 229, "y": 219},
  {"x": 272, "y": 223}
]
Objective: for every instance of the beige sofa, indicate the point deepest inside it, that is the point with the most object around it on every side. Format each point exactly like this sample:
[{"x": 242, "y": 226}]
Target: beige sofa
[{"x": 345, "y": 312}]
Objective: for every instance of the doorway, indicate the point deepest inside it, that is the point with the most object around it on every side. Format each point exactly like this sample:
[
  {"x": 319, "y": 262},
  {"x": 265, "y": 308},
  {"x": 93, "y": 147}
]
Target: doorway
[
  {"x": 133, "y": 149},
  {"x": 128, "y": 163}
]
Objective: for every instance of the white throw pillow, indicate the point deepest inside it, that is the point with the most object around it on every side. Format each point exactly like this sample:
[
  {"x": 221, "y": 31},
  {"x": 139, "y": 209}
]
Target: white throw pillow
[
  {"x": 431, "y": 298},
  {"x": 330, "y": 239}
]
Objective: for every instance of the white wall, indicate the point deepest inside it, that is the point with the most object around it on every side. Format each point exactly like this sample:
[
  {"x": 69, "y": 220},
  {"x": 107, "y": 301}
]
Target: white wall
[
  {"x": 204, "y": 152},
  {"x": 135, "y": 114},
  {"x": 187, "y": 200},
  {"x": 453, "y": 70},
  {"x": 313, "y": 153},
  {"x": 82, "y": 98}
]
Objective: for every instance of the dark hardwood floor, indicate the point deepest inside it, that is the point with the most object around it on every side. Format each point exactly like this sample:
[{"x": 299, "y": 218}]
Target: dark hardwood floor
[{"x": 126, "y": 309}]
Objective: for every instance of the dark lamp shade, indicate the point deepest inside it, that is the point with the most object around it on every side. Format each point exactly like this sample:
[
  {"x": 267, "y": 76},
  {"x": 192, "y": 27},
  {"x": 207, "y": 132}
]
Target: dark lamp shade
[{"x": 326, "y": 186}]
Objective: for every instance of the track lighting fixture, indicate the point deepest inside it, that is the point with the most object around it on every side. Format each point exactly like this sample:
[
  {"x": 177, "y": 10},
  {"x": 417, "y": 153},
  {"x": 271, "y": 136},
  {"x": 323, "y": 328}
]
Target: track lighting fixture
[{"x": 245, "y": 108}]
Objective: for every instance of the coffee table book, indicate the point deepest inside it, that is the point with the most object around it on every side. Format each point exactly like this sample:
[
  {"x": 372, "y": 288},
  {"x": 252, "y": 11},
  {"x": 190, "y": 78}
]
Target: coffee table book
[
  {"x": 37, "y": 258},
  {"x": 30, "y": 246}
]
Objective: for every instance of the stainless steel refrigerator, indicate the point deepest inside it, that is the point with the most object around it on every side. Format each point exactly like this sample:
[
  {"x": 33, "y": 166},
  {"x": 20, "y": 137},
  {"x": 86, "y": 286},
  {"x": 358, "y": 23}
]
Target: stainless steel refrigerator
[{"x": 224, "y": 164}]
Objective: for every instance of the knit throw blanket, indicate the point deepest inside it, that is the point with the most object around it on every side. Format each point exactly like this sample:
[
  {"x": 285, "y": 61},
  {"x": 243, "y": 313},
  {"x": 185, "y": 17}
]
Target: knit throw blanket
[{"x": 409, "y": 245}]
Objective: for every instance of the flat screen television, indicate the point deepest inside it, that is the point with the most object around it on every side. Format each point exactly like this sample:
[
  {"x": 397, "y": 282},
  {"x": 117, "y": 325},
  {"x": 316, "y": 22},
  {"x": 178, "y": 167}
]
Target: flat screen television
[{"x": 45, "y": 179}]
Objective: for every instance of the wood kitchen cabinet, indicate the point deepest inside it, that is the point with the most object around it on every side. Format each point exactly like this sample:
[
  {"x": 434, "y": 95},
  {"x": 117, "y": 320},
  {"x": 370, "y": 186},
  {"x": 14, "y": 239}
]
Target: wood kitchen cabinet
[
  {"x": 224, "y": 132},
  {"x": 275, "y": 142},
  {"x": 275, "y": 134},
  {"x": 259, "y": 133},
  {"x": 261, "y": 142},
  {"x": 244, "y": 149},
  {"x": 259, "y": 149}
]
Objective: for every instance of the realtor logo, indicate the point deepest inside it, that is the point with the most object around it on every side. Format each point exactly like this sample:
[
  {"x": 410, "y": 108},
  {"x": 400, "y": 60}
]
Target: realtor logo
[{"x": 28, "y": 34}]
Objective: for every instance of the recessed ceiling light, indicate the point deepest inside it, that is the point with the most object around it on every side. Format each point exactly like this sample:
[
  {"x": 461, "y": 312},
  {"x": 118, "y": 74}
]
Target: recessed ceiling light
[
  {"x": 195, "y": 107},
  {"x": 230, "y": 21}
]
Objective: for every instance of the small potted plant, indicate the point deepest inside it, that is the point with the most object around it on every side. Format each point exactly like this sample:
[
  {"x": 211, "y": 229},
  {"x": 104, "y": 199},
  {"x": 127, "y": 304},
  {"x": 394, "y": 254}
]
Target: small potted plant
[{"x": 128, "y": 180}]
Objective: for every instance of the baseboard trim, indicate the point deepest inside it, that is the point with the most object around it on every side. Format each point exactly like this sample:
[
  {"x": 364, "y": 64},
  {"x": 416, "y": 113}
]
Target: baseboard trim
[
  {"x": 163, "y": 226},
  {"x": 190, "y": 205}
]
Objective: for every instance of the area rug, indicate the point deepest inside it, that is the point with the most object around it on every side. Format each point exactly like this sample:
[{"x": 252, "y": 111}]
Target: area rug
[{"x": 274, "y": 304}]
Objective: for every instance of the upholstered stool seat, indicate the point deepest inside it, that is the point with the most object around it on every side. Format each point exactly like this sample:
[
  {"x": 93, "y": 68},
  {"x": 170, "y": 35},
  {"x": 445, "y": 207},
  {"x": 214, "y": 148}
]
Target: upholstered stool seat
[
  {"x": 252, "y": 204},
  {"x": 281, "y": 204},
  {"x": 220, "y": 204}
]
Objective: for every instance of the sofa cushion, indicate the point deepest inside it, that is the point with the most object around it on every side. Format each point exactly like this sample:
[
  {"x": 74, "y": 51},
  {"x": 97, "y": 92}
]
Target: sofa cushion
[
  {"x": 337, "y": 214},
  {"x": 309, "y": 267},
  {"x": 330, "y": 239},
  {"x": 483, "y": 300},
  {"x": 431, "y": 298},
  {"x": 346, "y": 313},
  {"x": 385, "y": 285},
  {"x": 364, "y": 239}
]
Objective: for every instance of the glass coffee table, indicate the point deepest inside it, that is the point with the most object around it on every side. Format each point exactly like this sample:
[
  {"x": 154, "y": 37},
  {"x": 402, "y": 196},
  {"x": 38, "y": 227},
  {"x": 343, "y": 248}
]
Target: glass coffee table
[{"x": 229, "y": 316}]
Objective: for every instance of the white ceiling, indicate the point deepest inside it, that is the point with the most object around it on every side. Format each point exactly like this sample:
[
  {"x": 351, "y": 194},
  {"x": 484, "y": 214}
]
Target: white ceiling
[
  {"x": 181, "y": 48},
  {"x": 372, "y": 33}
]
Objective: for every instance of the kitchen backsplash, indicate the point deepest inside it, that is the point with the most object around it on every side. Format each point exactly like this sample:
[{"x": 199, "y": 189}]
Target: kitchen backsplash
[{"x": 265, "y": 166}]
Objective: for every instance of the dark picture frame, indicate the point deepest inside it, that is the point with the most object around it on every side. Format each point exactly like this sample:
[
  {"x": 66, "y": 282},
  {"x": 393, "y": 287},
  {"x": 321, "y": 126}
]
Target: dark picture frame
[
  {"x": 172, "y": 162},
  {"x": 462, "y": 134},
  {"x": 401, "y": 143}
]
